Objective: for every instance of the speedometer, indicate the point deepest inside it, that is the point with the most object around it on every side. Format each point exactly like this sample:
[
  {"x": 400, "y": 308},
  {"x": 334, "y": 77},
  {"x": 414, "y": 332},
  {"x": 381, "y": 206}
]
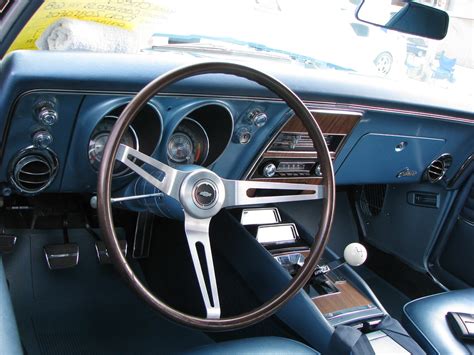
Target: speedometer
[
  {"x": 188, "y": 144},
  {"x": 99, "y": 138}
]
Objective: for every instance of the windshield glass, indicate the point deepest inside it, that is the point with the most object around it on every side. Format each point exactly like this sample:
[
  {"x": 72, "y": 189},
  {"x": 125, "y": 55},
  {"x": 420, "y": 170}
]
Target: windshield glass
[{"x": 316, "y": 34}]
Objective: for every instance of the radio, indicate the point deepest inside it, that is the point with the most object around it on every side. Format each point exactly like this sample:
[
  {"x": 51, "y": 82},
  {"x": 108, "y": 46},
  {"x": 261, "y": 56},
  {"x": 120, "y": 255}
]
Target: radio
[
  {"x": 301, "y": 142},
  {"x": 275, "y": 168}
]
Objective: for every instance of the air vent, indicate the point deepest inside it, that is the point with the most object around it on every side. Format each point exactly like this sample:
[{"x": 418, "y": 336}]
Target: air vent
[
  {"x": 438, "y": 167},
  {"x": 33, "y": 170}
]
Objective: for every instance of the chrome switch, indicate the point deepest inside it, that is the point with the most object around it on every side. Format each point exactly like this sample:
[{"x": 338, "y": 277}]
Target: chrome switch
[
  {"x": 42, "y": 139},
  {"x": 269, "y": 170}
]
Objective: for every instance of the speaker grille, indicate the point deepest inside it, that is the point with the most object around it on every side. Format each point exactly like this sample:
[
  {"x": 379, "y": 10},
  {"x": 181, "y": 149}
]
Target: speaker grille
[{"x": 372, "y": 199}]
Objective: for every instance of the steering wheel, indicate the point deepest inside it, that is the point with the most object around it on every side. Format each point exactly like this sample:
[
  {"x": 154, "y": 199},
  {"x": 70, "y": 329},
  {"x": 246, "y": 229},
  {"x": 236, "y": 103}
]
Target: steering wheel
[{"x": 202, "y": 194}]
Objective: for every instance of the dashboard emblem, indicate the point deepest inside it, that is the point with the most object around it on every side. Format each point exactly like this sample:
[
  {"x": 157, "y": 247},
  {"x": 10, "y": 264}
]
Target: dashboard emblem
[
  {"x": 407, "y": 172},
  {"x": 205, "y": 194}
]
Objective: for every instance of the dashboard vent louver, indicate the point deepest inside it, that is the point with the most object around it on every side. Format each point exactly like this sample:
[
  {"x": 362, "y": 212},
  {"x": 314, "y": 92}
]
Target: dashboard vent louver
[
  {"x": 438, "y": 167},
  {"x": 33, "y": 170}
]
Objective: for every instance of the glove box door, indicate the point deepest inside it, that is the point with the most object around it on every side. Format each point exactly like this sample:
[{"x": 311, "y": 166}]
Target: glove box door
[{"x": 384, "y": 158}]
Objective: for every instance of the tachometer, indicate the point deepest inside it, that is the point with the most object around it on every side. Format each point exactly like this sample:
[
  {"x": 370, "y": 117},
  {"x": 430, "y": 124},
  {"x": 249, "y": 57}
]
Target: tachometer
[
  {"x": 188, "y": 144},
  {"x": 99, "y": 138}
]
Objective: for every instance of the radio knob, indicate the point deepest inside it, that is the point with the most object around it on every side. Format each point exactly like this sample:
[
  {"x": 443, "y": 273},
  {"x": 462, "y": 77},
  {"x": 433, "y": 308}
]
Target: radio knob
[
  {"x": 269, "y": 170},
  {"x": 317, "y": 170},
  {"x": 258, "y": 118},
  {"x": 42, "y": 139}
]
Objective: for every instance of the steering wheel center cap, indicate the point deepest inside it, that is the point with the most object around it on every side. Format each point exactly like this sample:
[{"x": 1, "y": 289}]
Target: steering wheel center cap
[
  {"x": 202, "y": 194},
  {"x": 205, "y": 194}
]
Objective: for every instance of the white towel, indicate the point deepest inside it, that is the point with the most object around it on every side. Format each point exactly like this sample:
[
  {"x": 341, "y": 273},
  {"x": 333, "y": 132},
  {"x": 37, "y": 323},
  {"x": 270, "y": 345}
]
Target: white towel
[{"x": 77, "y": 35}]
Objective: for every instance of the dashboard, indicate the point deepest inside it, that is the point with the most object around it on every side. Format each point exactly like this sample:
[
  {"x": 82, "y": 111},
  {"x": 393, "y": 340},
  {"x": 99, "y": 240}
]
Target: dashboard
[{"x": 56, "y": 120}]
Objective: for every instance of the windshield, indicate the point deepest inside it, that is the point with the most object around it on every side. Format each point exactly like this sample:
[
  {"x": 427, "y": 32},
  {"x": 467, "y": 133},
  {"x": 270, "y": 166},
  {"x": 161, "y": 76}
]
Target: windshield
[{"x": 316, "y": 34}]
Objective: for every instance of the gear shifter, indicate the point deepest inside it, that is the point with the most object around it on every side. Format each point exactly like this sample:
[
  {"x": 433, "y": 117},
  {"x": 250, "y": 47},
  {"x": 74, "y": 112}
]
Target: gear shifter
[{"x": 355, "y": 254}]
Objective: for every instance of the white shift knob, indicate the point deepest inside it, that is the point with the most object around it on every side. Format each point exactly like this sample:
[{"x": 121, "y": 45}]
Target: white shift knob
[{"x": 355, "y": 254}]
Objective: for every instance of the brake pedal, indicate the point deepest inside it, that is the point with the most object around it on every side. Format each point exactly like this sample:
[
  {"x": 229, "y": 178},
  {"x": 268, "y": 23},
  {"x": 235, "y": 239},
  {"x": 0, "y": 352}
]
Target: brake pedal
[
  {"x": 103, "y": 254},
  {"x": 61, "y": 256}
]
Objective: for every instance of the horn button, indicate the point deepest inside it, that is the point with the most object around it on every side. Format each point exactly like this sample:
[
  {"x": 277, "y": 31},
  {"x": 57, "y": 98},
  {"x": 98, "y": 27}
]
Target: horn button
[
  {"x": 205, "y": 194},
  {"x": 202, "y": 194}
]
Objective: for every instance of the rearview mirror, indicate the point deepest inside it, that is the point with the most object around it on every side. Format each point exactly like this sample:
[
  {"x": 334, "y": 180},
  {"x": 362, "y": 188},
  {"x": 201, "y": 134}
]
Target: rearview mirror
[{"x": 405, "y": 16}]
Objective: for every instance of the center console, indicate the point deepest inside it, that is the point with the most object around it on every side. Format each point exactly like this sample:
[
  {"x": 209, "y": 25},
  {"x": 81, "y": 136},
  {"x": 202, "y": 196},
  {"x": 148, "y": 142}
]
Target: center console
[
  {"x": 332, "y": 287},
  {"x": 332, "y": 291}
]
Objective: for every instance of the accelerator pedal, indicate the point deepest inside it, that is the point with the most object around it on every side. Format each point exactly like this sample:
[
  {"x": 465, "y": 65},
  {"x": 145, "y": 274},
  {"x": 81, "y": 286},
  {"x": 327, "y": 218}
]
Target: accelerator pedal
[{"x": 103, "y": 254}]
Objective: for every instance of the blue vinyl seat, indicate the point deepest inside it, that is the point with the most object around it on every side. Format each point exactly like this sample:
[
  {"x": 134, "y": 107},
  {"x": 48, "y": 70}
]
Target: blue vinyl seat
[
  {"x": 259, "y": 345},
  {"x": 425, "y": 319}
]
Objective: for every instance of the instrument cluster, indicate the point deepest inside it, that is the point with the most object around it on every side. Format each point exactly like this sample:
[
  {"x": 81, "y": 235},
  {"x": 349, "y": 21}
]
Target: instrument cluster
[{"x": 200, "y": 137}]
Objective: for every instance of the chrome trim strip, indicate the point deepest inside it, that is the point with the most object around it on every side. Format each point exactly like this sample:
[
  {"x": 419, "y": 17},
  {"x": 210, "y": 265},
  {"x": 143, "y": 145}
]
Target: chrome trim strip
[
  {"x": 461, "y": 170},
  {"x": 320, "y": 105},
  {"x": 369, "y": 307},
  {"x": 467, "y": 221}
]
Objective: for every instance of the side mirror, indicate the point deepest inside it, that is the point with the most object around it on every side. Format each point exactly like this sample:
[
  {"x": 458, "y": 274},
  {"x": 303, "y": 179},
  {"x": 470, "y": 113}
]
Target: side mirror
[{"x": 407, "y": 17}]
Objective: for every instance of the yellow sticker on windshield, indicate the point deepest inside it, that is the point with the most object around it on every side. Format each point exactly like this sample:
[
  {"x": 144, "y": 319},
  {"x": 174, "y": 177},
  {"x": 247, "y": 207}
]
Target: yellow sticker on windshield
[{"x": 126, "y": 14}]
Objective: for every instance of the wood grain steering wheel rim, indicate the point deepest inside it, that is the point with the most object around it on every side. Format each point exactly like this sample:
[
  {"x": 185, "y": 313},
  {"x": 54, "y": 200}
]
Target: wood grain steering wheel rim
[{"x": 104, "y": 194}]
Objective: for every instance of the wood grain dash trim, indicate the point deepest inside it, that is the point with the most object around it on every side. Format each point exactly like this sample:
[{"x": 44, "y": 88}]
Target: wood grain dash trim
[{"x": 330, "y": 123}]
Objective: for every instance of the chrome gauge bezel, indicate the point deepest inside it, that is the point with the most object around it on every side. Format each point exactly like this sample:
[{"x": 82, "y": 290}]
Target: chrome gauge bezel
[
  {"x": 95, "y": 134},
  {"x": 169, "y": 148},
  {"x": 179, "y": 130}
]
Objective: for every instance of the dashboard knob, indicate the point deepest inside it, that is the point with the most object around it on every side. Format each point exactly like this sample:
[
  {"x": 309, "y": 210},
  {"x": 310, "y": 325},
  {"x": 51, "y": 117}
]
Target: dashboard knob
[
  {"x": 269, "y": 170},
  {"x": 258, "y": 118},
  {"x": 317, "y": 170},
  {"x": 243, "y": 136},
  {"x": 42, "y": 139},
  {"x": 47, "y": 116},
  {"x": 45, "y": 111}
]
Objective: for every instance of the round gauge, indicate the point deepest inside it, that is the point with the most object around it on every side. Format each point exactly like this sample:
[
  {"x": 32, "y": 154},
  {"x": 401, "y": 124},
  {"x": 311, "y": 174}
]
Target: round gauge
[
  {"x": 180, "y": 148},
  {"x": 99, "y": 138},
  {"x": 188, "y": 144}
]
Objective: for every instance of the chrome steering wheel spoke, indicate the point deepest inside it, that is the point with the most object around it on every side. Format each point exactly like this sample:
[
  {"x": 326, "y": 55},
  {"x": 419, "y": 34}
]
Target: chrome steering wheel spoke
[
  {"x": 242, "y": 193},
  {"x": 197, "y": 235},
  {"x": 169, "y": 183}
]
